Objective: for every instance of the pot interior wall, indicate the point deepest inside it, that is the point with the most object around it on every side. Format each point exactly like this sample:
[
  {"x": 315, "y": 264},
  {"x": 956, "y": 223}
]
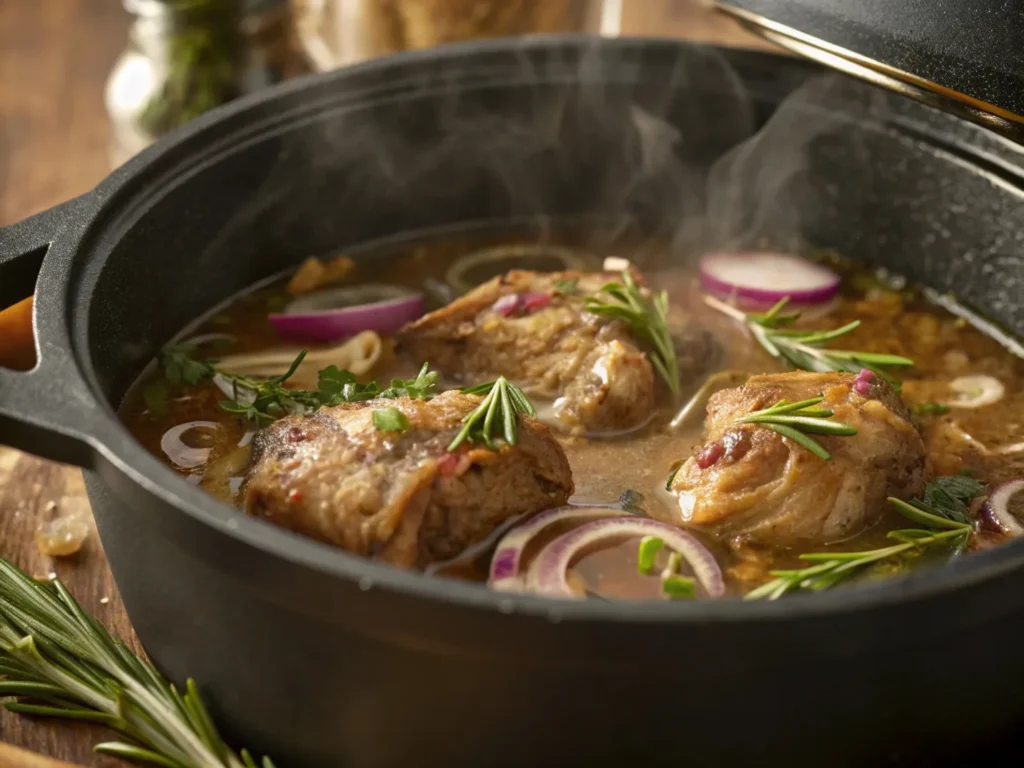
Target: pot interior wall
[{"x": 657, "y": 138}]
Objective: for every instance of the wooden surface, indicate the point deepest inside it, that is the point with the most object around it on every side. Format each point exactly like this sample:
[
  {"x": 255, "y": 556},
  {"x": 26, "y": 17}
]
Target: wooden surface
[{"x": 54, "y": 58}]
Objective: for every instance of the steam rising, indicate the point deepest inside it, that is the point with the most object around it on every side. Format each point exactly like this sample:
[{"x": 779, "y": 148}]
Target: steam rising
[{"x": 663, "y": 141}]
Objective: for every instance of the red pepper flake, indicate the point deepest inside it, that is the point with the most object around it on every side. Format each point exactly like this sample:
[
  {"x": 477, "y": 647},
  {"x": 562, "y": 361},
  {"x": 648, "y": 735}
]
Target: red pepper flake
[
  {"x": 531, "y": 302},
  {"x": 507, "y": 304},
  {"x": 521, "y": 303},
  {"x": 862, "y": 384},
  {"x": 448, "y": 464},
  {"x": 453, "y": 464},
  {"x": 295, "y": 435},
  {"x": 709, "y": 454},
  {"x": 294, "y": 495}
]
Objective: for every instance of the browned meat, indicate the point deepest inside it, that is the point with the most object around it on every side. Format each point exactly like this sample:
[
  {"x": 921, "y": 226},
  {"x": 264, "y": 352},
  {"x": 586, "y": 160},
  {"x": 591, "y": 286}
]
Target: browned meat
[
  {"x": 400, "y": 496},
  {"x": 546, "y": 343},
  {"x": 767, "y": 489}
]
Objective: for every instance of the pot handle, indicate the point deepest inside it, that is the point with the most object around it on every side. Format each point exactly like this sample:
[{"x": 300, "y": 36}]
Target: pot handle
[{"x": 48, "y": 410}]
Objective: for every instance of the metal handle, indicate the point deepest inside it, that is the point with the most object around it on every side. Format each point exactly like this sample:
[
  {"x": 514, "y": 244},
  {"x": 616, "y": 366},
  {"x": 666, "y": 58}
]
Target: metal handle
[{"x": 49, "y": 410}]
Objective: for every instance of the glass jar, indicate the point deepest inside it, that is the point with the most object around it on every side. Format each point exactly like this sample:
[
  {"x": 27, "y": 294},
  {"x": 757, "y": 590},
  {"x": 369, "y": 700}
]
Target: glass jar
[
  {"x": 185, "y": 57},
  {"x": 338, "y": 32}
]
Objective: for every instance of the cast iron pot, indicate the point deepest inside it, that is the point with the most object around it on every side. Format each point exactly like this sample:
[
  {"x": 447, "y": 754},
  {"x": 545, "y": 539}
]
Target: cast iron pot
[{"x": 321, "y": 658}]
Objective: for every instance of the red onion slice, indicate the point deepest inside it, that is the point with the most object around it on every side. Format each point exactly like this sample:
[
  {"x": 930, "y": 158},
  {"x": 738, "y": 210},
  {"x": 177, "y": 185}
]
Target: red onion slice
[
  {"x": 507, "y": 558},
  {"x": 996, "y": 511},
  {"x": 762, "y": 279},
  {"x": 338, "y": 312},
  {"x": 547, "y": 573}
]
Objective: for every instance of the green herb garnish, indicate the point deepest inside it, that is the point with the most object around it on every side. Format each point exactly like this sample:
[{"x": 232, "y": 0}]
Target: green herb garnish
[
  {"x": 942, "y": 513},
  {"x": 156, "y": 397},
  {"x": 266, "y": 400},
  {"x": 647, "y": 553},
  {"x": 567, "y": 287},
  {"x": 647, "y": 318},
  {"x": 336, "y": 386},
  {"x": 59, "y": 661},
  {"x": 803, "y": 349},
  {"x": 503, "y": 403},
  {"x": 390, "y": 420},
  {"x": 179, "y": 364},
  {"x": 948, "y": 498},
  {"x": 422, "y": 387},
  {"x": 798, "y": 421},
  {"x": 673, "y": 585},
  {"x": 929, "y": 408},
  {"x": 678, "y": 587}
]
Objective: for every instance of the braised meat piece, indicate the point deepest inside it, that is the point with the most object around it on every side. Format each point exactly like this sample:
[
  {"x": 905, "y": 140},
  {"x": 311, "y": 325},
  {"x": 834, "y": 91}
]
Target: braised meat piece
[
  {"x": 400, "y": 496},
  {"x": 750, "y": 482},
  {"x": 523, "y": 327}
]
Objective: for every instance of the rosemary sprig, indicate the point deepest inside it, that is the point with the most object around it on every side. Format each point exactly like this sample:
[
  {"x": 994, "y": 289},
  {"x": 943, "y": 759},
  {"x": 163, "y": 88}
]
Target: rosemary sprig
[
  {"x": 647, "y": 318},
  {"x": 59, "y": 661},
  {"x": 804, "y": 349},
  {"x": 942, "y": 513},
  {"x": 502, "y": 404},
  {"x": 798, "y": 421}
]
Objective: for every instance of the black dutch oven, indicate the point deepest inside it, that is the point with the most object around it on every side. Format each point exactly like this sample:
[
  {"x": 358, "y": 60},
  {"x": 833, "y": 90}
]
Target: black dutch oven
[{"x": 321, "y": 658}]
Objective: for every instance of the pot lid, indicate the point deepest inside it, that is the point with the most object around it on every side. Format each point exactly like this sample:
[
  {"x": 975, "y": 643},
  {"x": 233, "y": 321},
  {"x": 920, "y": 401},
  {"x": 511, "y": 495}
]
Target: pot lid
[{"x": 963, "y": 56}]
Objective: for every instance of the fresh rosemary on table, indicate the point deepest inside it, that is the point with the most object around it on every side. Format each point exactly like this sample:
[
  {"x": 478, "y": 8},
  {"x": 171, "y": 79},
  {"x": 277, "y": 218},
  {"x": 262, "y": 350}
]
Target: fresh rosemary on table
[
  {"x": 502, "y": 404},
  {"x": 646, "y": 317},
  {"x": 798, "y": 421},
  {"x": 942, "y": 513},
  {"x": 804, "y": 349},
  {"x": 56, "y": 660}
]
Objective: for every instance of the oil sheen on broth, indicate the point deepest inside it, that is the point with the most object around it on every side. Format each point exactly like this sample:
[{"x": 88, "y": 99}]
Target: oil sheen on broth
[{"x": 185, "y": 425}]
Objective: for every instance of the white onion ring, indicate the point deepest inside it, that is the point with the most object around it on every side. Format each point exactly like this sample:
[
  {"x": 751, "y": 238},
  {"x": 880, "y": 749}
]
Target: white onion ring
[
  {"x": 615, "y": 264},
  {"x": 547, "y": 573},
  {"x": 507, "y": 558},
  {"x": 978, "y": 391},
  {"x": 996, "y": 511},
  {"x": 358, "y": 355},
  {"x": 182, "y": 455},
  {"x": 491, "y": 262}
]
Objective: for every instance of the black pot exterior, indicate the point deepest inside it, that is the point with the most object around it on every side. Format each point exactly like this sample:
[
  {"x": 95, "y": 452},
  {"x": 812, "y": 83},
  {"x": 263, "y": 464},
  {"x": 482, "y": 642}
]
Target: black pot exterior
[{"x": 323, "y": 659}]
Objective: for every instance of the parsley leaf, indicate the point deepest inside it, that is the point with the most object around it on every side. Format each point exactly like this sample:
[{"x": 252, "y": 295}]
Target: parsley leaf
[
  {"x": 180, "y": 365},
  {"x": 423, "y": 387},
  {"x": 567, "y": 287},
  {"x": 929, "y": 408},
  {"x": 390, "y": 420},
  {"x": 337, "y": 386}
]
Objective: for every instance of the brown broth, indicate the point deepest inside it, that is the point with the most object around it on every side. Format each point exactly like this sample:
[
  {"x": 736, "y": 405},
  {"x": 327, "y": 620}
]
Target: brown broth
[{"x": 942, "y": 345}]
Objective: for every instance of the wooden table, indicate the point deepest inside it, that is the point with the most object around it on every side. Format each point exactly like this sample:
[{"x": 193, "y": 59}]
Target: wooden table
[{"x": 55, "y": 56}]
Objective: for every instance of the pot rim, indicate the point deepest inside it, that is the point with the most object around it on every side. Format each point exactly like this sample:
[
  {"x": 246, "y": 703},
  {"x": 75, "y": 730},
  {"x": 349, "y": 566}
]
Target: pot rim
[{"x": 122, "y": 450}]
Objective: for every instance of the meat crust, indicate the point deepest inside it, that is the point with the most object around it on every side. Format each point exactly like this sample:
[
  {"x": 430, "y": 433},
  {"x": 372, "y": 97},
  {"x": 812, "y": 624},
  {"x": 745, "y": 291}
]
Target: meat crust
[
  {"x": 767, "y": 489},
  {"x": 401, "y": 497}
]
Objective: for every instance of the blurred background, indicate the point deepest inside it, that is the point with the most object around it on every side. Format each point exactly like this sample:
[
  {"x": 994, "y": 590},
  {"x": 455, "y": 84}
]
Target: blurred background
[{"x": 85, "y": 84}]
